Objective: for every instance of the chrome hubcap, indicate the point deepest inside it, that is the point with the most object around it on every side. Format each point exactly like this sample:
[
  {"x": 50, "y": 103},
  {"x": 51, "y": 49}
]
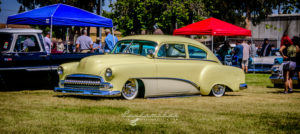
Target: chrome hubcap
[
  {"x": 218, "y": 90},
  {"x": 130, "y": 88}
]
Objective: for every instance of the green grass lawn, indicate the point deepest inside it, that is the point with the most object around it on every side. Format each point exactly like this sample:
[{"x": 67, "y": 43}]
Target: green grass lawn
[{"x": 258, "y": 109}]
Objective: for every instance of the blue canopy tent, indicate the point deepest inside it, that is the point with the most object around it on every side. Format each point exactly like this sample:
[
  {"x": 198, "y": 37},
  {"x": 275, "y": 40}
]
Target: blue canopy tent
[{"x": 60, "y": 15}]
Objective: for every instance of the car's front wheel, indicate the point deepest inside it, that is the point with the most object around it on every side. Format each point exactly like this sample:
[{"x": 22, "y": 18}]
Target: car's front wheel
[
  {"x": 218, "y": 90},
  {"x": 130, "y": 89}
]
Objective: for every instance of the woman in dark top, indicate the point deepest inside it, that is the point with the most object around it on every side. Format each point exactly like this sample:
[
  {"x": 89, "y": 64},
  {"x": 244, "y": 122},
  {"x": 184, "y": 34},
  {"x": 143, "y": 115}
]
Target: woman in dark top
[
  {"x": 288, "y": 51},
  {"x": 224, "y": 50}
]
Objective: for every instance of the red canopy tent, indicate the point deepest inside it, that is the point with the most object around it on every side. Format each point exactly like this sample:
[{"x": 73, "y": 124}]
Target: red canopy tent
[{"x": 213, "y": 27}]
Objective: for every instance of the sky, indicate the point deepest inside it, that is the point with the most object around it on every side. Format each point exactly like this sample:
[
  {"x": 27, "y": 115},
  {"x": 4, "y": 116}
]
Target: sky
[{"x": 11, "y": 7}]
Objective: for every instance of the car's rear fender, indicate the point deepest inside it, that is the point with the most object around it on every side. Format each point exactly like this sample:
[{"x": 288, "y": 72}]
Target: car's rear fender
[{"x": 231, "y": 77}]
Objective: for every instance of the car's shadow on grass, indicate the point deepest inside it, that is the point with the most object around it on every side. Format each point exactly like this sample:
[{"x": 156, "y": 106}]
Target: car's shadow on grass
[
  {"x": 88, "y": 97},
  {"x": 282, "y": 92},
  {"x": 231, "y": 95}
]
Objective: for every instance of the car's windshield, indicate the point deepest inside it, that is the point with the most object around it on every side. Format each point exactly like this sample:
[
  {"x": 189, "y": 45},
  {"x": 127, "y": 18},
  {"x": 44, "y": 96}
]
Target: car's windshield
[
  {"x": 139, "y": 47},
  {"x": 5, "y": 41}
]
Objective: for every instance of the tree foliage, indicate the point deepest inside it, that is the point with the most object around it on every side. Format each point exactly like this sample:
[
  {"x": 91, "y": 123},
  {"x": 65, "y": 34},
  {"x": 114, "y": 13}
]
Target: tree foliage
[{"x": 133, "y": 16}]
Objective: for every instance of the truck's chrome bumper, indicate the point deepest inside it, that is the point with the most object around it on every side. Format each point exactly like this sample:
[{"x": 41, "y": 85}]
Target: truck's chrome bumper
[
  {"x": 87, "y": 92},
  {"x": 243, "y": 86}
]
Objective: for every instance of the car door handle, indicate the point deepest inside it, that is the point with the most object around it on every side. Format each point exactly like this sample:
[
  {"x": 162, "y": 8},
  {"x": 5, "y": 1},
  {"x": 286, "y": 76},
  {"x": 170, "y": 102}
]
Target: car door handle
[{"x": 43, "y": 56}]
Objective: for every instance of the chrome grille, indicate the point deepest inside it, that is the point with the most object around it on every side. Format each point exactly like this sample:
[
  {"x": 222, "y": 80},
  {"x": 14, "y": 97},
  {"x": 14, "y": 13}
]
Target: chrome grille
[{"x": 82, "y": 81}]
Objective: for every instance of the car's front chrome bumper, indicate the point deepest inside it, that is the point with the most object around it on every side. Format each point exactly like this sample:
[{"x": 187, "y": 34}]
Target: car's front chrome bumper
[
  {"x": 87, "y": 91},
  {"x": 243, "y": 86}
]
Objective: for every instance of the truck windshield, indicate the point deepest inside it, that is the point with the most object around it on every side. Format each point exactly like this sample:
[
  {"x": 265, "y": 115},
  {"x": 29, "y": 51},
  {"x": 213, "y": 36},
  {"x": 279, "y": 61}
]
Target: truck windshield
[
  {"x": 138, "y": 47},
  {"x": 5, "y": 41}
]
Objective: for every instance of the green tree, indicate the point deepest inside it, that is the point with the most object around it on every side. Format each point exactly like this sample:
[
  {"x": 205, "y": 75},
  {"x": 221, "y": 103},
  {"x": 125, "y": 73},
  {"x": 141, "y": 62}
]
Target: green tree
[
  {"x": 133, "y": 16},
  {"x": 240, "y": 12},
  {"x": 289, "y": 6}
]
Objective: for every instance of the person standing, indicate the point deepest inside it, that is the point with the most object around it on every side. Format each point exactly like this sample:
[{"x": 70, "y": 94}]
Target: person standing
[
  {"x": 266, "y": 48},
  {"x": 110, "y": 41},
  {"x": 288, "y": 51},
  {"x": 84, "y": 43},
  {"x": 97, "y": 46},
  {"x": 253, "y": 49},
  {"x": 246, "y": 53},
  {"x": 224, "y": 50},
  {"x": 28, "y": 44},
  {"x": 47, "y": 43},
  {"x": 238, "y": 52},
  {"x": 60, "y": 46}
]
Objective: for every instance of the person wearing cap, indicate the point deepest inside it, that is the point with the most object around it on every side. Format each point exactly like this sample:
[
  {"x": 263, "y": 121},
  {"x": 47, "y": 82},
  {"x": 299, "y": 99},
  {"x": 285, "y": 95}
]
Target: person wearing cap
[
  {"x": 84, "y": 43},
  {"x": 47, "y": 42},
  {"x": 266, "y": 48},
  {"x": 109, "y": 41},
  {"x": 60, "y": 46},
  {"x": 97, "y": 46}
]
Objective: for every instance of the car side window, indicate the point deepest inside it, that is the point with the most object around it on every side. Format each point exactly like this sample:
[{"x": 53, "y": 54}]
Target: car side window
[
  {"x": 197, "y": 53},
  {"x": 172, "y": 50},
  {"x": 27, "y": 43}
]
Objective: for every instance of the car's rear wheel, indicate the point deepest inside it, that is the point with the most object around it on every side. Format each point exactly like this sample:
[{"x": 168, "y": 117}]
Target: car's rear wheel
[
  {"x": 218, "y": 90},
  {"x": 130, "y": 90}
]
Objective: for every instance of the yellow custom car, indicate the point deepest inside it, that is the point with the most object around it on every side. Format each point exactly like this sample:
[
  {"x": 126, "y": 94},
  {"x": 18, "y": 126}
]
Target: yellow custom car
[{"x": 150, "y": 66}]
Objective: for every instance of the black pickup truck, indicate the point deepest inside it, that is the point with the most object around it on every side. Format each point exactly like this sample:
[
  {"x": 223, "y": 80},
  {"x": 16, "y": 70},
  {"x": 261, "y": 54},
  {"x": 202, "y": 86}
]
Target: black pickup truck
[{"x": 20, "y": 67}]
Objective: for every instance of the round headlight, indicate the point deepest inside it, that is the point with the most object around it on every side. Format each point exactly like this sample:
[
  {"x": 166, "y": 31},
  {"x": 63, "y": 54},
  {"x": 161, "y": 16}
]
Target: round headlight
[
  {"x": 108, "y": 72},
  {"x": 60, "y": 70}
]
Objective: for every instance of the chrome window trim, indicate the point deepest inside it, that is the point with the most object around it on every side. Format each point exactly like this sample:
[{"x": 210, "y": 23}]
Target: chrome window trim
[
  {"x": 187, "y": 59},
  {"x": 131, "y": 41}
]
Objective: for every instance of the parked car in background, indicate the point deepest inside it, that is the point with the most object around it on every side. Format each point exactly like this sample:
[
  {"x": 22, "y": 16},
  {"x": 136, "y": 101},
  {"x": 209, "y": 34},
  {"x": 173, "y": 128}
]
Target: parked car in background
[
  {"x": 22, "y": 64},
  {"x": 264, "y": 64},
  {"x": 256, "y": 64},
  {"x": 149, "y": 66}
]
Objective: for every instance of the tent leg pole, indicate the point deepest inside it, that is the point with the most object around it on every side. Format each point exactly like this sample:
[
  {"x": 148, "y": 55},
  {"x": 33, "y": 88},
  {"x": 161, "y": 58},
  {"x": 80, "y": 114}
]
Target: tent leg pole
[
  {"x": 67, "y": 40},
  {"x": 254, "y": 55},
  {"x": 212, "y": 43},
  {"x": 51, "y": 35},
  {"x": 100, "y": 35},
  {"x": 112, "y": 30}
]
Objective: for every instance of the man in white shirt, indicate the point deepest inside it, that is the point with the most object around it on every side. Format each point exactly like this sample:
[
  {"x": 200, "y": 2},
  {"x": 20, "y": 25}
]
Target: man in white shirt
[
  {"x": 246, "y": 53},
  {"x": 47, "y": 42}
]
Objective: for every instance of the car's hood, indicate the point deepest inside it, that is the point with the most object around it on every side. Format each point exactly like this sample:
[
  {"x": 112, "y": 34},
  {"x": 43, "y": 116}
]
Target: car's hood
[{"x": 94, "y": 64}]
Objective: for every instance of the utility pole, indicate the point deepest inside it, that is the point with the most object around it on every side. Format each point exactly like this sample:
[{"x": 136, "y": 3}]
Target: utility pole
[{"x": 100, "y": 13}]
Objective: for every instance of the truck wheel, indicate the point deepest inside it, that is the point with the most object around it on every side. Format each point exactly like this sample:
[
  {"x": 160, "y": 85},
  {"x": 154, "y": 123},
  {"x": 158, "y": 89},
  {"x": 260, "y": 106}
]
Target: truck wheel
[{"x": 3, "y": 85}]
